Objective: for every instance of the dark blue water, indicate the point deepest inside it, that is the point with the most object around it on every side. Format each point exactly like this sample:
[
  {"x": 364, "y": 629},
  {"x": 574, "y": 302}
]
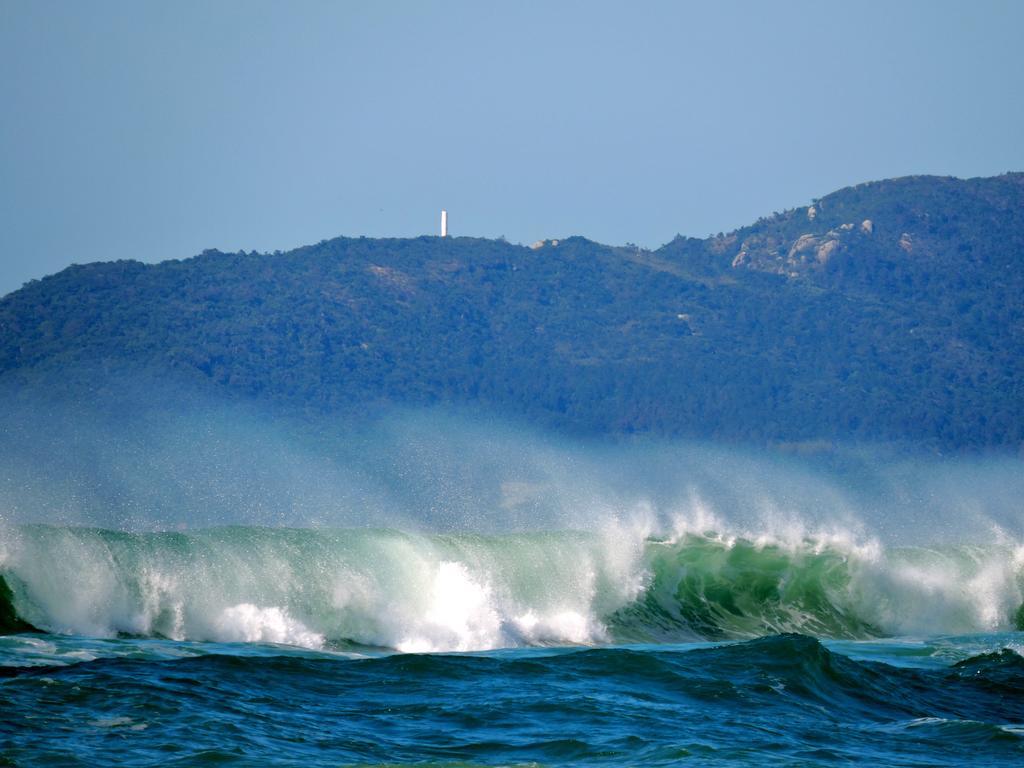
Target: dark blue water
[
  {"x": 786, "y": 699},
  {"x": 257, "y": 646}
]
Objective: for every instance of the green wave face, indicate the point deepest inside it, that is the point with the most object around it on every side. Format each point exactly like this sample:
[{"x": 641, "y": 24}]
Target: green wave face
[
  {"x": 418, "y": 592},
  {"x": 10, "y": 623},
  {"x": 742, "y": 589}
]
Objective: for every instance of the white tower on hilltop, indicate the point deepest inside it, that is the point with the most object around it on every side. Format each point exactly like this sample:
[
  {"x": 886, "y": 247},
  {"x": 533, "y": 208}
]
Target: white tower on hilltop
[{"x": 444, "y": 223}]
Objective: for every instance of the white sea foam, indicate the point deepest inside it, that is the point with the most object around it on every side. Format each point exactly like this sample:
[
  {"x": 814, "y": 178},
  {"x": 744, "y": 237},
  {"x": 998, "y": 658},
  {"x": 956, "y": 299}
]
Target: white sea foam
[
  {"x": 247, "y": 623},
  {"x": 467, "y": 592},
  {"x": 457, "y": 614}
]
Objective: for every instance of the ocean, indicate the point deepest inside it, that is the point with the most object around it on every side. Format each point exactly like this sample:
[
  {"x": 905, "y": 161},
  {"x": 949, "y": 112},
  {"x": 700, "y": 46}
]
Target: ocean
[{"x": 615, "y": 646}]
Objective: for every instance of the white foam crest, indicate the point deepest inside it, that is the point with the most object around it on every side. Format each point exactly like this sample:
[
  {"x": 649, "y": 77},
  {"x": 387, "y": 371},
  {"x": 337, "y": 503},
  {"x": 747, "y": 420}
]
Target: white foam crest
[
  {"x": 420, "y": 599},
  {"x": 925, "y": 591},
  {"x": 459, "y": 614},
  {"x": 460, "y": 610},
  {"x": 775, "y": 527},
  {"x": 74, "y": 584},
  {"x": 162, "y": 610},
  {"x": 697, "y": 518},
  {"x": 559, "y": 627},
  {"x": 248, "y": 623}
]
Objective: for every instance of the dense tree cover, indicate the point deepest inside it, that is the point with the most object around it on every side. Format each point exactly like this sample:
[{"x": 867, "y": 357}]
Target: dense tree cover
[{"x": 908, "y": 326}]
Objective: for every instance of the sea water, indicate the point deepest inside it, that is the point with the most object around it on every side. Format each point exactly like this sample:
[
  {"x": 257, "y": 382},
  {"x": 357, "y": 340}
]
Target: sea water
[{"x": 620, "y": 645}]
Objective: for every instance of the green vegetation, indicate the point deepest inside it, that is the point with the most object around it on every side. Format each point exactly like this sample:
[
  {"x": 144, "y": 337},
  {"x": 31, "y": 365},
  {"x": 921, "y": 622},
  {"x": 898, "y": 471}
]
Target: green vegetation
[{"x": 908, "y": 328}]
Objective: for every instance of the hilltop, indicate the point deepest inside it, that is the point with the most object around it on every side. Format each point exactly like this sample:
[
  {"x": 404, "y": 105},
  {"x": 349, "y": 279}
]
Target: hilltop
[{"x": 888, "y": 311}]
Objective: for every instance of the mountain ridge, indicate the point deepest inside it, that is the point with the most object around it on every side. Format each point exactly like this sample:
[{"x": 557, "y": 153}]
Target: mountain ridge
[{"x": 890, "y": 310}]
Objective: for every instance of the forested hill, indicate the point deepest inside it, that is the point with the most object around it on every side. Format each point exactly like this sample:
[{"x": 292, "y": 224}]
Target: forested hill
[{"x": 886, "y": 311}]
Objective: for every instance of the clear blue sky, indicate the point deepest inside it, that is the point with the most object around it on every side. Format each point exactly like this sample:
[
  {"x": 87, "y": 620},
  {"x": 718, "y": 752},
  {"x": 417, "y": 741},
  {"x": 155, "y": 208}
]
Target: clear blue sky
[{"x": 155, "y": 130}]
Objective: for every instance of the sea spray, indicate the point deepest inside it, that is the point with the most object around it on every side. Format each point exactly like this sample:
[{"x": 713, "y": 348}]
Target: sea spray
[{"x": 464, "y": 592}]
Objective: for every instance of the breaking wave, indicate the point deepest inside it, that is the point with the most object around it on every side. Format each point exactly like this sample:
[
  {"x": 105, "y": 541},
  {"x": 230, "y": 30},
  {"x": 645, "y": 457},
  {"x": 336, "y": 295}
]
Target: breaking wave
[{"x": 462, "y": 592}]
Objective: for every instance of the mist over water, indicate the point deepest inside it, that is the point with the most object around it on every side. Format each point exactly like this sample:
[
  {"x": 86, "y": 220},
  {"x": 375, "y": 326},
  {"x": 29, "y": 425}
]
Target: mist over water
[
  {"x": 159, "y": 458},
  {"x": 443, "y": 530}
]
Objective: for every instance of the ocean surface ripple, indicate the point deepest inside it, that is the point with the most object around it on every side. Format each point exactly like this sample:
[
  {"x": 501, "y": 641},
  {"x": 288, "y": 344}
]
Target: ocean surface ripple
[{"x": 256, "y": 646}]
